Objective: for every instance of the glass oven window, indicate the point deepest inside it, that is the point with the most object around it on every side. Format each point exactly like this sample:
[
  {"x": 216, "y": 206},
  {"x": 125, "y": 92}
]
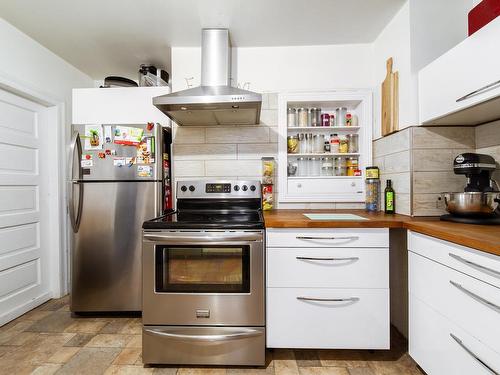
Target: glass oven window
[{"x": 202, "y": 269}]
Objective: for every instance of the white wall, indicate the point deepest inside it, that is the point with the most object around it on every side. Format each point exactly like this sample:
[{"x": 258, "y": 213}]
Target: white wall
[
  {"x": 394, "y": 41},
  {"x": 436, "y": 27},
  {"x": 273, "y": 69},
  {"x": 29, "y": 67}
]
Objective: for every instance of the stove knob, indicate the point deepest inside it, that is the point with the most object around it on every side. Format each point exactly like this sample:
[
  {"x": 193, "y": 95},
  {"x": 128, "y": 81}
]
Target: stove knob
[
  {"x": 191, "y": 188},
  {"x": 245, "y": 188},
  {"x": 183, "y": 188},
  {"x": 253, "y": 188},
  {"x": 236, "y": 188}
]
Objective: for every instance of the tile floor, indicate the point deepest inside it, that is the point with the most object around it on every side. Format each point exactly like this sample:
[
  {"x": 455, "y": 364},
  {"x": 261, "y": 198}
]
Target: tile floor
[{"x": 47, "y": 340}]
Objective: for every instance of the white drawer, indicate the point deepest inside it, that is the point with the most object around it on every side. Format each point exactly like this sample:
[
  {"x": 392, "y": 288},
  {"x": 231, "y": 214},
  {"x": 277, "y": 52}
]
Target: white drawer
[
  {"x": 352, "y": 324},
  {"x": 459, "y": 297},
  {"x": 328, "y": 267},
  {"x": 475, "y": 263},
  {"x": 345, "y": 187},
  {"x": 335, "y": 237},
  {"x": 434, "y": 349}
]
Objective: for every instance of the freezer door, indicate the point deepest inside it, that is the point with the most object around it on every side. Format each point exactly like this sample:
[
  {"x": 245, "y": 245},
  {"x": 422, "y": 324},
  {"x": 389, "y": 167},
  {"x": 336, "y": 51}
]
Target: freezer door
[
  {"x": 112, "y": 161},
  {"x": 106, "y": 256}
]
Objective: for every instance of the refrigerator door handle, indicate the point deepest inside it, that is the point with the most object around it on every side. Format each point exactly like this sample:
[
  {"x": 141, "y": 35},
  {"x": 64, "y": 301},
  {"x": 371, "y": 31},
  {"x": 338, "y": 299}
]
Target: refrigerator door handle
[{"x": 76, "y": 146}]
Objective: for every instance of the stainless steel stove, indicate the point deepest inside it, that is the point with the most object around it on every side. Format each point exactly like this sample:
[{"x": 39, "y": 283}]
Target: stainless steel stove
[{"x": 203, "y": 277}]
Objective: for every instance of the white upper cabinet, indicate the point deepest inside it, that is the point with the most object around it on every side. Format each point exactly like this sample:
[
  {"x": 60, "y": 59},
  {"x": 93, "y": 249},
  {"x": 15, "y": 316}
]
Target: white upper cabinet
[
  {"x": 462, "y": 87},
  {"x": 127, "y": 105}
]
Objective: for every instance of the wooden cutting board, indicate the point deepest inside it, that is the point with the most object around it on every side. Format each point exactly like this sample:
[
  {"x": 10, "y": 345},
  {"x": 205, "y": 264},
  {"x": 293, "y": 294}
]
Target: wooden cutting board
[{"x": 390, "y": 101}]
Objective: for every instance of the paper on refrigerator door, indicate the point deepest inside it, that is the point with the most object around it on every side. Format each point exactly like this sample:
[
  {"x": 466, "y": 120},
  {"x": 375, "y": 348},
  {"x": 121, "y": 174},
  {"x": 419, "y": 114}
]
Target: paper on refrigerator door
[
  {"x": 93, "y": 137},
  {"x": 128, "y": 136}
]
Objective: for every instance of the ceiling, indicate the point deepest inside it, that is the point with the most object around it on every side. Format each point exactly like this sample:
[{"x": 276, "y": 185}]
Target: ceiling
[{"x": 113, "y": 37}]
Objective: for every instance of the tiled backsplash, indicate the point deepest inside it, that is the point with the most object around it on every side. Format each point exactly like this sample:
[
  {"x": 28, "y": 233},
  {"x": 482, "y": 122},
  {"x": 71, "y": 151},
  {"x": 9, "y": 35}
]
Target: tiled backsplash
[
  {"x": 488, "y": 142},
  {"x": 231, "y": 152},
  {"x": 419, "y": 160}
]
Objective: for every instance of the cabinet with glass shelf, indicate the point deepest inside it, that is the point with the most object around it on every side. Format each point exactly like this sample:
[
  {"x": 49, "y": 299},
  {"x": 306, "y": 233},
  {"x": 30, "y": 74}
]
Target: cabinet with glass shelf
[{"x": 309, "y": 169}]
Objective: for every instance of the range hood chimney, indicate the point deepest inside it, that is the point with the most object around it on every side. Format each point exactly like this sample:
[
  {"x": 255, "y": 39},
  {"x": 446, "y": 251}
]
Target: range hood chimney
[{"x": 215, "y": 102}]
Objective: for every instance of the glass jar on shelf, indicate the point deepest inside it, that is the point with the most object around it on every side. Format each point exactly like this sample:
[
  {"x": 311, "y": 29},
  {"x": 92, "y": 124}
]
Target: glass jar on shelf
[
  {"x": 318, "y": 143},
  {"x": 343, "y": 145},
  {"x": 314, "y": 166},
  {"x": 340, "y": 114},
  {"x": 302, "y": 117},
  {"x": 334, "y": 143},
  {"x": 291, "y": 117},
  {"x": 302, "y": 143},
  {"x": 353, "y": 143},
  {"x": 267, "y": 170},
  {"x": 292, "y": 142},
  {"x": 315, "y": 116},
  {"x": 301, "y": 167},
  {"x": 326, "y": 167}
]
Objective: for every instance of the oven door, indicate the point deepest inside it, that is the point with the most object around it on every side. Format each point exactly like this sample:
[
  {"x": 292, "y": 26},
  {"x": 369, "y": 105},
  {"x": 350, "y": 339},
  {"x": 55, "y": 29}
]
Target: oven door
[{"x": 203, "y": 277}]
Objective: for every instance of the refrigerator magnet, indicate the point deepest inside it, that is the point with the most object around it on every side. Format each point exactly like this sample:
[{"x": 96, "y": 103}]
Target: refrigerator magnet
[
  {"x": 119, "y": 162},
  {"x": 87, "y": 163},
  {"x": 144, "y": 171},
  {"x": 93, "y": 137},
  {"x": 101, "y": 155},
  {"x": 108, "y": 134},
  {"x": 129, "y": 161}
]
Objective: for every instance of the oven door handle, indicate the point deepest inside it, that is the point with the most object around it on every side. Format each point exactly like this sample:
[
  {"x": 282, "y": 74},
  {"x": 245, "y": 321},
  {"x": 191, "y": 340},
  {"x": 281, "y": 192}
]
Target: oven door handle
[
  {"x": 207, "y": 338},
  {"x": 200, "y": 239}
]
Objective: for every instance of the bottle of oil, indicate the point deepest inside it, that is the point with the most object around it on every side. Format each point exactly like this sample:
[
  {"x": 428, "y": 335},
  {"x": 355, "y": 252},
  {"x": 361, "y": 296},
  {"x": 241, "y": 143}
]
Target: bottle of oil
[{"x": 389, "y": 198}]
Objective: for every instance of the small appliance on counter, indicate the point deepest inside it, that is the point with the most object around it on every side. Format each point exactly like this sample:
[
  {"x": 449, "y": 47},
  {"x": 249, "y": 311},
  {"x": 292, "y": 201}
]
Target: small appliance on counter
[{"x": 479, "y": 203}]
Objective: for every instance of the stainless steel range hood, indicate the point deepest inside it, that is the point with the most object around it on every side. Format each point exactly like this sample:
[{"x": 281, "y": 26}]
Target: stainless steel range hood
[{"x": 215, "y": 102}]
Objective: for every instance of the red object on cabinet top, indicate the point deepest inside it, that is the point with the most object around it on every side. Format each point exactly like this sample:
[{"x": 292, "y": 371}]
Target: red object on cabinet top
[{"x": 482, "y": 14}]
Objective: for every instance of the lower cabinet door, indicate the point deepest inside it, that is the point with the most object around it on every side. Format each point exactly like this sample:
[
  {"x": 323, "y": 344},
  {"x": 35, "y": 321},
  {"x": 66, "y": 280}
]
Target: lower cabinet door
[
  {"x": 440, "y": 347},
  {"x": 328, "y": 318}
]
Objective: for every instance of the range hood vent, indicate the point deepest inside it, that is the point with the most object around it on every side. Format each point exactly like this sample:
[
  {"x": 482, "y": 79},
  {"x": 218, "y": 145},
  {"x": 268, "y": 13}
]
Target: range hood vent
[{"x": 215, "y": 102}]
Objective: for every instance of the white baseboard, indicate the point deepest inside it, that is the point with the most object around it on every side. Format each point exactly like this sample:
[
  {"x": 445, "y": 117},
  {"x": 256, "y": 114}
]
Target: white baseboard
[{"x": 20, "y": 310}]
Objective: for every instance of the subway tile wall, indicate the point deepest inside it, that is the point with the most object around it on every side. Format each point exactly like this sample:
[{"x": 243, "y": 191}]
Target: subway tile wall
[
  {"x": 419, "y": 162},
  {"x": 488, "y": 142},
  {"x": 226, "y": 152}
]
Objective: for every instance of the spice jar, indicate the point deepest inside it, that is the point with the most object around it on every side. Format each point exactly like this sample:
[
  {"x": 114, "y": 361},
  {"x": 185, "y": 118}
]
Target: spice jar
[
  {"x": 302, "y": 115},
  {"x": 315, "y": 116},
  {"x": 334, "y": 144},
  {"x": 353, "y": 140},
  {"x": 351, "y": 119},
  {"x": 340, "y": 114},
  {"x": 291, "y": 117},
  {"x": 343, "y": 145},
  {"x": 325, "y": 119},
  {"x": 332, "y": 119},
  {"x": 292, "y": 142}
]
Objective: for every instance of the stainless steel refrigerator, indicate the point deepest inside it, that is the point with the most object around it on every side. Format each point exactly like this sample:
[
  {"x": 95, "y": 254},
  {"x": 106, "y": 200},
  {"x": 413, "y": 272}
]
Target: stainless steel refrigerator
[{"x": 120, "y": 177}]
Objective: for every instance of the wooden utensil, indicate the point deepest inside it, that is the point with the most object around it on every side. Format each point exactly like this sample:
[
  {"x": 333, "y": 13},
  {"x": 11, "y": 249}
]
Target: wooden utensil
[{"x": 390, "y": 101}]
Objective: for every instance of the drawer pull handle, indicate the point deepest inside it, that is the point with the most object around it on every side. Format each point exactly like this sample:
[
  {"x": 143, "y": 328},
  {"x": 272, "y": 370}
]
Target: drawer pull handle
[
  {"x": 475, "y": 265},
  {"x": 476, "y": 297},
  {"x": 351, "y": 299},
  {"x": 351, "y": 259},
  {"x": 478, "y": 91},
  {"x": 459, "y": 342},
  {"x": 327, "y": 238}
]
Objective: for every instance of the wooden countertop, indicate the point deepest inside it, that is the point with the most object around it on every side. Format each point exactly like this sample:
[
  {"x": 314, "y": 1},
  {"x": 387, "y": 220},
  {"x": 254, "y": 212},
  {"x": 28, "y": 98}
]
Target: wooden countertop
[{"x": 481, "y": 237}]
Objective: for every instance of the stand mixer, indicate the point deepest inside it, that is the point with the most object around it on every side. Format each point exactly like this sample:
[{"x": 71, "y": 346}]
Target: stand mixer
[{"x": 479, "y": 203}]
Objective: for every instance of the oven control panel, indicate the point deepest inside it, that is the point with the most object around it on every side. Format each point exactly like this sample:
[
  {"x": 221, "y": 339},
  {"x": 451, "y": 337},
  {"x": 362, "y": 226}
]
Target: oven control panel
[{"x": 218, "y": 189}]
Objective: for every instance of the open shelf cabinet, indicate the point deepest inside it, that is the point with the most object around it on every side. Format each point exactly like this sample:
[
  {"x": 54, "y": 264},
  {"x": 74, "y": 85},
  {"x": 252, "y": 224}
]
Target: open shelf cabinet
[{"x": 333, "y": 188}]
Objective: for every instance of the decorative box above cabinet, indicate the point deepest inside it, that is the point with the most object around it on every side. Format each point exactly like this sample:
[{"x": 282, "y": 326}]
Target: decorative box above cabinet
[
  {"x": 324, "y": 145},
  {"x": 462, "y": 87}
]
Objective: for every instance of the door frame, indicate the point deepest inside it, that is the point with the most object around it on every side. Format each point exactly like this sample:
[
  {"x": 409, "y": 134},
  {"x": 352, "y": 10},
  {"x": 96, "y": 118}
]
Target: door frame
[{"x": 58, "y": 238}]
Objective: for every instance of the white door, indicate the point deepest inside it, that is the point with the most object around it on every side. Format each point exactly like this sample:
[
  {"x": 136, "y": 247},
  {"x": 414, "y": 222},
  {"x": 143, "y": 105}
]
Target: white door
[{"x": 24, "y": 229}]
